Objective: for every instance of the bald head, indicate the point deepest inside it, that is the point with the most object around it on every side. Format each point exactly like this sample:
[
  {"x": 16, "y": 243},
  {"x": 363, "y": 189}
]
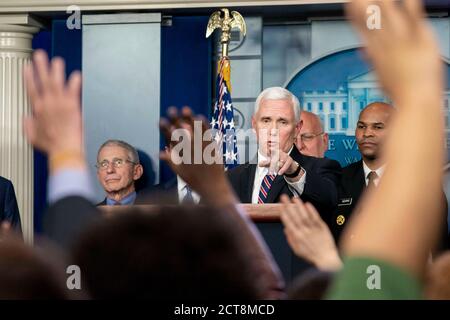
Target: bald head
[
  {"x": 380, "y": 108},
  {"x": 371, "y": 130},
  {"x": 311, "y": 121},
  {"x": 312, "y": 141}
]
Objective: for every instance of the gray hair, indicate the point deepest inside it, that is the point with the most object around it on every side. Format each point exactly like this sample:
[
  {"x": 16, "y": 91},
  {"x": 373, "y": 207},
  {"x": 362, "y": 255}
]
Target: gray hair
[
  {"x": 132, "y": 152},
  {"x": 279, "y": 93}
]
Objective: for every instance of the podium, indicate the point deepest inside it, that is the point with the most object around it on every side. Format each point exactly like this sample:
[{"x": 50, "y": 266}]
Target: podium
[{"x": 267, "y": 218}]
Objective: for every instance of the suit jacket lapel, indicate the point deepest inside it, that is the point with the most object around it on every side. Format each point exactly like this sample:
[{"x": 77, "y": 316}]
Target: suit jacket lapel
[
  {"x": 360, "y": 183},
  {"x": 103, "y": 203},
  {"x": 277, "y": 186},
  {"x": 248, "y": 189}
]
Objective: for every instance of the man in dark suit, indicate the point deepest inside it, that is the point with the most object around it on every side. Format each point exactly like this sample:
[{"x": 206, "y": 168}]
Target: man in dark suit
[
  {"x": 279, "y": 167},
  {"x": 118, "y": 168},
  {"x": 371, "y": 132},
  {"x": 9, "y": 211},
  {"x": 177, "y": 191},
  {"x": 57, "y": 105}
]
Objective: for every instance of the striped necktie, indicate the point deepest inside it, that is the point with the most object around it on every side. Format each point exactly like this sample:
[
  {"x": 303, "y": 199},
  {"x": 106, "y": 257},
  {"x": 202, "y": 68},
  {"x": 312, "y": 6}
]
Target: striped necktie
[{"x": 265, "y": 187}]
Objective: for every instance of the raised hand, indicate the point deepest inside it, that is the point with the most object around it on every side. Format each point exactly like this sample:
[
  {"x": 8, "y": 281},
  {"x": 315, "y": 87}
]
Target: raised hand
[
  {"x": 403, "y": 51},
  {"x": 280, "y": 163},
  {"x": 55, "y": 124},
  {"x": 408, "y": 65},
  {"x": 195, "y": 158},
  {"x": 307, "y": 234}
]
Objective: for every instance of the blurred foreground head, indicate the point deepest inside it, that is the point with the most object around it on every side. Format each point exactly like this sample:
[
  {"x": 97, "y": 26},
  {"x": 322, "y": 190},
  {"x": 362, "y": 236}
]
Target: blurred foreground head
[
  {"x": 310, "y": 285},
  {"x": 170, "y": 253},
  {"x": 26, "y": 273}
]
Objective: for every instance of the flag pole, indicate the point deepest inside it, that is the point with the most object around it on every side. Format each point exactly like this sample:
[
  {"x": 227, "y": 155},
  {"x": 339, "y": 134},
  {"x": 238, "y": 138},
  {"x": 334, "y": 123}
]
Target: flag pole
[{"x": 223, "y": 118}]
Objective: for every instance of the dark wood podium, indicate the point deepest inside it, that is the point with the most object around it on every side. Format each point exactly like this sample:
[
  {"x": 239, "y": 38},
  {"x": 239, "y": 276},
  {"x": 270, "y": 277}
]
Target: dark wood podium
[{"x": 267, "y": 219}]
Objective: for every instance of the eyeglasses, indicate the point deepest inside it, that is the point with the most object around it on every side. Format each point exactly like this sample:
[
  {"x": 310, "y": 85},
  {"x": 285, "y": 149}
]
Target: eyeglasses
[
  {"x": 309, "y": 136},
  {"x": 116, "y": 162}
]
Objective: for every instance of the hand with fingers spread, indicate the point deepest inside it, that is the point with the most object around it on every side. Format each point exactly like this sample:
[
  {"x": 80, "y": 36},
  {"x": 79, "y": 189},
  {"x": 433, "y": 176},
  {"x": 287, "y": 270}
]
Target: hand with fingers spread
[
  {"x": 55, "y": 125},
  {"x": 308, "y": 236},
  {"x": 403, "y": 50},
  {"x": 187, "y": 157},
  {"x": 390, "y": 231}
]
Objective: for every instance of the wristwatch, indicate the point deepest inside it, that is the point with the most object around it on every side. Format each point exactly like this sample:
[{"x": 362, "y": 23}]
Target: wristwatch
[{"x": 295, "y": 173}]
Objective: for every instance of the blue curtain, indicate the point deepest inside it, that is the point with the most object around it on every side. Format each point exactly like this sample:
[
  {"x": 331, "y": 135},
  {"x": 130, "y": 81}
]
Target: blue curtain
[{"x": 185, "y": 79}]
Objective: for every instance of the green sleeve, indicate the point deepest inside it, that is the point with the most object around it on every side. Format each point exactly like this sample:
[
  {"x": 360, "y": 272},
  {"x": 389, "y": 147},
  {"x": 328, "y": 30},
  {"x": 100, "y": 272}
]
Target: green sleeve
[{"x": 368, "y": 278}]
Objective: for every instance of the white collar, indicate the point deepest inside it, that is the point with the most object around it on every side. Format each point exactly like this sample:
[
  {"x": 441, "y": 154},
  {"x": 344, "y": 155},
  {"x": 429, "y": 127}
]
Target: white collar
[
  {"x": 181, "y": 184},
  {"x": 378, "y": 171}
]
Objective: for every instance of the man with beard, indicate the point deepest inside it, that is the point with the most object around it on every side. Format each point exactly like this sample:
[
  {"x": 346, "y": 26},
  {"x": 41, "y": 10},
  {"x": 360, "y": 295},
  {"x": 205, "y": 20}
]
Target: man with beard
[{"x": 371, "y": 132}]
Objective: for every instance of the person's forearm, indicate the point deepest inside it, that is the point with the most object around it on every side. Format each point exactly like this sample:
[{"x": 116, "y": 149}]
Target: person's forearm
[
  {"x": 69, "y": 158},
  {"x": 217, "y": 193},
  {"x": 329, "y": 262},
  {"x": 68, "y": 174},
  {"x": 414, "y": 160}
]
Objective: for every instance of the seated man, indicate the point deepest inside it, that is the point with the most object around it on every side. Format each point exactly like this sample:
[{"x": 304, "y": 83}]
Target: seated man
[
  {"x": 201, "y": 276},
  {"x": 277, "y": 122},
  {"x": 312, "y": 140},
  {"x": 118, "y": 169},
  {"x": 9, "y": 211}
]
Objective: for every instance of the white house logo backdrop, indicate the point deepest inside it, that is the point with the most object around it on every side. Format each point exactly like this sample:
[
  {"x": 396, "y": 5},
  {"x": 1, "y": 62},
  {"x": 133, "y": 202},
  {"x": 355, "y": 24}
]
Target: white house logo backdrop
[{"x": 337, "y": 87}]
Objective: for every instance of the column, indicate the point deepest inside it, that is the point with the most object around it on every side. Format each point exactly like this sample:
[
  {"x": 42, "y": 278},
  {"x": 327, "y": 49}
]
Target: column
[{"x": 16, "y": 155}]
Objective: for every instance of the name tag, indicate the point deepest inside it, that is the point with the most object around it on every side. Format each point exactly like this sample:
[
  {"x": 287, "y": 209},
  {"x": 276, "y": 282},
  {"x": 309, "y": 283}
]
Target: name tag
[{"x": 345, "y": 202}]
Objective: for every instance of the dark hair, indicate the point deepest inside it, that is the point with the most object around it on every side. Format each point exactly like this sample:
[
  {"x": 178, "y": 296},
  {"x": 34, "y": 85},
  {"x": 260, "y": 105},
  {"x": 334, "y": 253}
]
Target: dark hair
[
  {"x": 312, "y": 284},
  {"x": 170, "y": 253},
  {"x": 27, "y": 274}
]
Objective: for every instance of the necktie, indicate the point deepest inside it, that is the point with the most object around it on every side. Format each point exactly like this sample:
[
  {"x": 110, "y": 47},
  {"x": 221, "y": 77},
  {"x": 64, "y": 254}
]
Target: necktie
[
  {"x": 188, "y": 196},
  {"x": 371, "y": 177},
  {"x": 265, "y": 187}
]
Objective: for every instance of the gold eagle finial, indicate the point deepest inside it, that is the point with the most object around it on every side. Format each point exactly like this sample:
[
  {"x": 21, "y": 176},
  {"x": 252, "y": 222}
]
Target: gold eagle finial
[{"x": 222, "y": 19}]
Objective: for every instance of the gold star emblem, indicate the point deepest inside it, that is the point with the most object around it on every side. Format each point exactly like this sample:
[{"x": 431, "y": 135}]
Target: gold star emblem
[{"x": 340, "y": 220}]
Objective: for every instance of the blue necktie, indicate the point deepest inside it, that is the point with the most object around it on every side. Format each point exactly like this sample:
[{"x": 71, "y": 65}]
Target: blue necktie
[
  {"x": 188, "y": 198},
  {"x": 266, "y": 184}
]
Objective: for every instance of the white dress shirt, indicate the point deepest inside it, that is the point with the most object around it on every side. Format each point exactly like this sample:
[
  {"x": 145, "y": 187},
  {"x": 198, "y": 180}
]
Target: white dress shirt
[
  {"x": 379, "y": 173},
  {"x": 182, "y": 191},
  {"x": 295, "y": 187}
]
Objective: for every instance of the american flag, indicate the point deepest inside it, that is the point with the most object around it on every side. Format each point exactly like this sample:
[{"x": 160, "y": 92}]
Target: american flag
[{"x": 223, "y": 117}]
